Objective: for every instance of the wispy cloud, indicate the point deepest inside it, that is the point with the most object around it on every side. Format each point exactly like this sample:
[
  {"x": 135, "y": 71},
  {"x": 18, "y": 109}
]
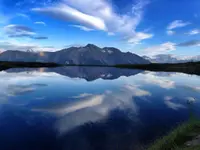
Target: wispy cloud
[
  {"x": 137, "y": 91},
  {"x": 139, "y": 36},
  {"x": 168, "y": 101},
  {"x": 14, "y": 31},
  {"x": 190, "y": 43},
  {"x": 40, "y": 23},
  {"x": 192, "y": 88},
  {"x": 86, "y": 102},
  {"x": 5, "y": 18},
  {"x": 100, "y": 15},
  {"x": 168, "y": 47},
  {"x": 177, "y": 24},
  {"x": 14, "y": 90},
  {"x": 84, "y": 28},
  {"x": 170, "y": 32},
  {"x": 160, "y": 49},
  {"x": 66, "y": 13},
  {"x": 23, "y": 16},
  {"x": 90, "y": 107},
  {"x": 191, "y": 99},
  {"x": 159, "y": 81},
  {"x": 194, "y": 32},
  {"x": 5, "y": 45},
  {"x": 82, "y": 95},
  {"x": 23, "y": 46}
]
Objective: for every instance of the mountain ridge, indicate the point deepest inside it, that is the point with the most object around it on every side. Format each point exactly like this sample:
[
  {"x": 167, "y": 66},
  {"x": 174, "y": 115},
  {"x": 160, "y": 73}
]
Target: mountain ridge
[
  {"x": 87, "y": 55},
  {"x": 168, "y": 58}
]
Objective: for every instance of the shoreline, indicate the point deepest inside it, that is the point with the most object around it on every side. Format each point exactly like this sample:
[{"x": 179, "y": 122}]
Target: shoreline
[{"x": 189, "y": 68}]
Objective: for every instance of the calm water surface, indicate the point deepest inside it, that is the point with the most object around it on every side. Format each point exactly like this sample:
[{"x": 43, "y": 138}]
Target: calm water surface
[{"x": 75, "y": 108}]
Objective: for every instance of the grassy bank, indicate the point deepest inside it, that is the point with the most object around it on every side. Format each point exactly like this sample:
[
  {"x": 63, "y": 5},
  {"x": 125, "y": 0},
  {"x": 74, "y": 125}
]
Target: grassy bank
[
  {"x": 177, "y": 138},
  {"x": 8, "y": 64},
  {"x": 190, "y": 67}
]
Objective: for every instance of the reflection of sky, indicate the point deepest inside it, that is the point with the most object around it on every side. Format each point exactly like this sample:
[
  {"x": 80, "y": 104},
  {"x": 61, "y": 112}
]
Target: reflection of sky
[
  {"x": 75, "y": 102},
  {"x": 52, "y": 86}
]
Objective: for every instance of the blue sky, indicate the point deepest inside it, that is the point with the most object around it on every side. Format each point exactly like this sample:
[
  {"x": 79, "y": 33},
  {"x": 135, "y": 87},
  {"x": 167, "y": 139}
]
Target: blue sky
[{"x": 144, "y": 27}]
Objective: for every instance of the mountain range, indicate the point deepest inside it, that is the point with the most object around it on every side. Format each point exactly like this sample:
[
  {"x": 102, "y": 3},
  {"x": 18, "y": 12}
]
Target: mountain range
[
  {"x": 167, "y": 58},
  {"x": 87, "y": 55}
]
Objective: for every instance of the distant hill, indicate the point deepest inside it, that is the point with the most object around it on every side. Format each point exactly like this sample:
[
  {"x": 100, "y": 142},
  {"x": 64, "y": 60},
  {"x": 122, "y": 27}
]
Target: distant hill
[
  {"x": 189, "y": 67},
  {"x": 167, "y": 58},
  {"x": 88, "y": 55}
]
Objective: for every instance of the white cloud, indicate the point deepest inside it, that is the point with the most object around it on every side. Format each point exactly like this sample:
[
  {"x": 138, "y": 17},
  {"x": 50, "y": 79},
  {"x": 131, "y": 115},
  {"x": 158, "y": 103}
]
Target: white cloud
[
  {"x": 40, "y": 23},
  {"x": 160, "y": 49},
  {"x": 14, "y": 30},
  {"x": 100, "y": 15},
  {"x": 172, "y": 105},
  {"x": 23, "y": 46},
  {"x": 82, "y": 95},
  {"x": 170, "y": 32},
  {"x": 139, "y": 36},
  {"x": 14, "y": 90},
  {"x": 82, "y": 27},
  {"x": 191, "y": 99},
  {"x": 86, "y": 102},
  {"x": 5, "y": 45},
  {"x": 90, "y": 102},
  {"x": 23, "y": 16},
  {"x": 194, "y": 32},
  {"x": 16, "y": 84},
  {"x": 162, "y": 82},
  {"x": 67, "y": 13},
  {"x": 45, "y": 48},
  {"x": 168, "y": 98},
  {"x": 137, "y": 91},
  {"x": 177, "y": 24},
  {"x": 18, "y": 90},
  {"x": 92, "y": 108},
  {"x": 111, "y": 33}
]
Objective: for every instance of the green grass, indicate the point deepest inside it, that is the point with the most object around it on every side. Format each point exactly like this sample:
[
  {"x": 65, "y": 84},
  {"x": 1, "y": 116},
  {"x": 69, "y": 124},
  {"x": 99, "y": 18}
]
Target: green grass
[
  {"x": 189, "y": 148},
  {"x": 175, "y": 139}
]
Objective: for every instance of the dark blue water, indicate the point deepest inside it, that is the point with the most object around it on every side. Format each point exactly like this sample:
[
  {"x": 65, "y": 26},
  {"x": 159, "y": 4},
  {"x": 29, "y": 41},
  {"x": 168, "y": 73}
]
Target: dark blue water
[{"x": 83, "y": 108}]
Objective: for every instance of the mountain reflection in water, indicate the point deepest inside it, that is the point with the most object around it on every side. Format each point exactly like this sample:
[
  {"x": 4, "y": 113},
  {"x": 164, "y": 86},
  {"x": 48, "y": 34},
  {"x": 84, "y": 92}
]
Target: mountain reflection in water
[{"x": 87, "y": 73}]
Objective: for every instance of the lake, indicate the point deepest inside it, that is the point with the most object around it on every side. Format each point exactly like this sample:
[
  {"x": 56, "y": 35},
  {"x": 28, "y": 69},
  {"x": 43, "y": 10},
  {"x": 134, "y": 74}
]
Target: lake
[{"x": 88, "y": 108}]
